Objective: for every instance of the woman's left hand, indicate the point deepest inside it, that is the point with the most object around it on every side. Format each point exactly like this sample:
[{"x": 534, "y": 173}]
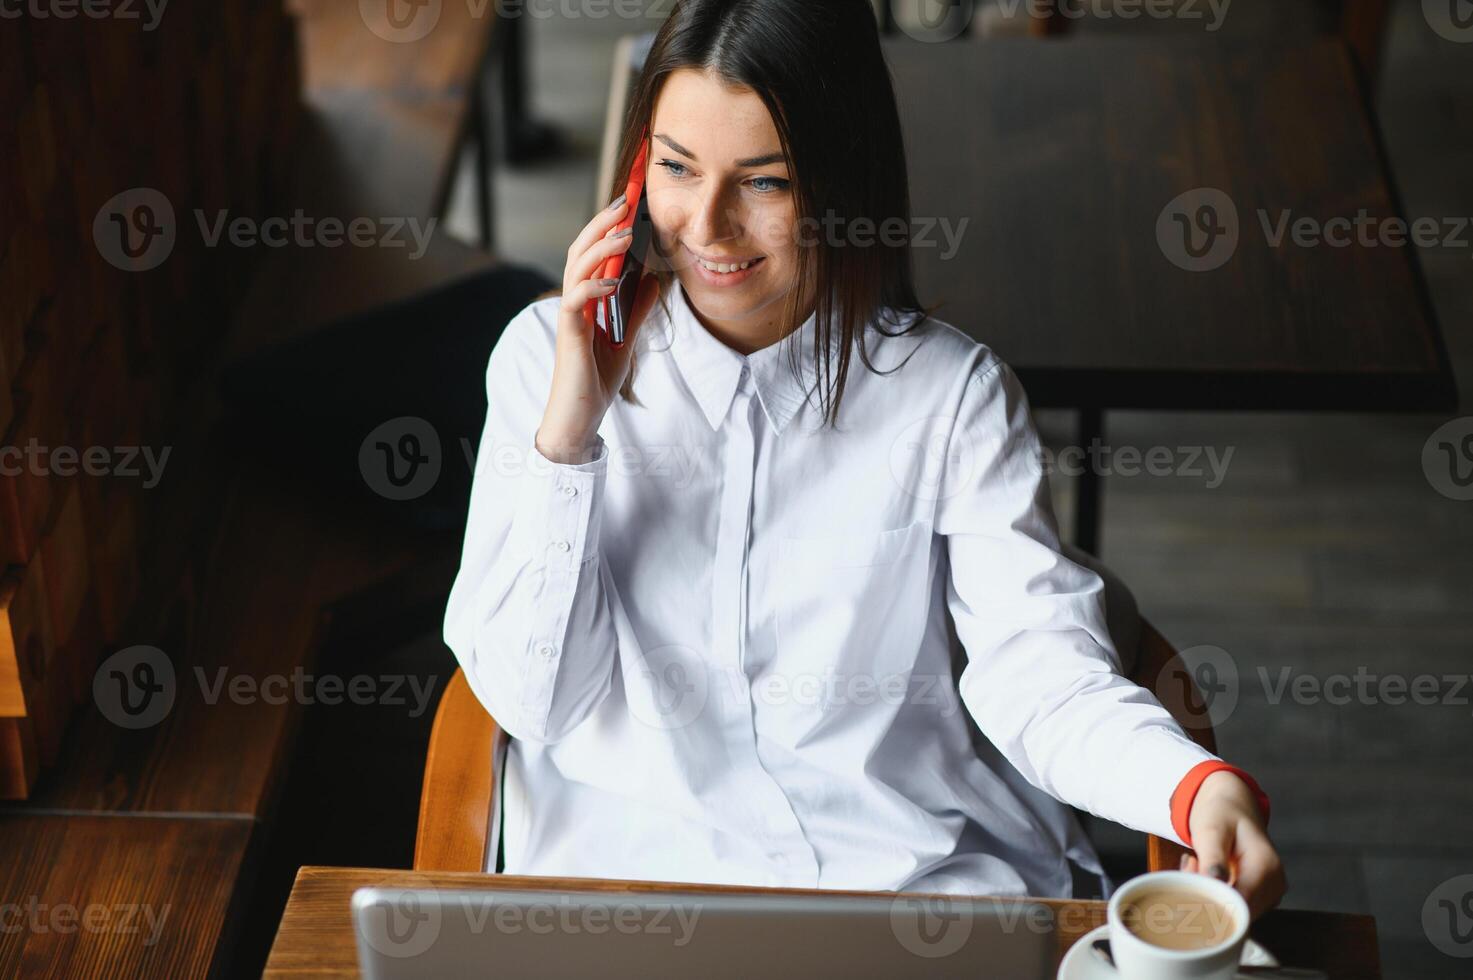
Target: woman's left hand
[{"x": 1232, "y": 844}]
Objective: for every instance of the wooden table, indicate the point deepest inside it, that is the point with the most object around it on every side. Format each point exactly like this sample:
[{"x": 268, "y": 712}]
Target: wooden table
[
  {"x": 316, "y": 935},
  {"x": 1063, "y": 158}
]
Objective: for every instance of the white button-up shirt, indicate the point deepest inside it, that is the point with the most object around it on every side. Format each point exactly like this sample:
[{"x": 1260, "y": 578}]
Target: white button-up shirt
[{"x": 738, "y": 648}]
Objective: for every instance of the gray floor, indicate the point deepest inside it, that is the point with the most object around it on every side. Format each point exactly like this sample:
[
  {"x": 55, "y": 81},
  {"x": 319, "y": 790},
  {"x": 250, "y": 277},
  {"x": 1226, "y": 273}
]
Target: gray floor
[{"x": 1324, "y": 550}]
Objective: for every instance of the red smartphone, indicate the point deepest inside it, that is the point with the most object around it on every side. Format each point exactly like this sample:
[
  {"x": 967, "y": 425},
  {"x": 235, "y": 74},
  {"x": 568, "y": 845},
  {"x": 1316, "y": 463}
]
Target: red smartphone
[{"x": 611, "y": 313}]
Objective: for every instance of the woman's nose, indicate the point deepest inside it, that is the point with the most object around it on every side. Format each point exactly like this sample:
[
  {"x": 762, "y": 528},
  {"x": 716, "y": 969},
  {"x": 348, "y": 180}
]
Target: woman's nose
[{"x": 714, "y": 218}]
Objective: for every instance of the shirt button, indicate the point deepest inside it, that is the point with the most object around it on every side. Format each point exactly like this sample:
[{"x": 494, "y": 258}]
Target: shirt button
[
  {"x": 570, "y": 491},
  {"x": 546, "y": 650},
  {"x": 562, "y": 546}
]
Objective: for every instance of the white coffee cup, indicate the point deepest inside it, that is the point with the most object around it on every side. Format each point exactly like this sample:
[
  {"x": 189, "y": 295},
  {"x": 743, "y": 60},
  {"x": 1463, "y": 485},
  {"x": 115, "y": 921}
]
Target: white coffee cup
[{"x": 1137, "y": 959}]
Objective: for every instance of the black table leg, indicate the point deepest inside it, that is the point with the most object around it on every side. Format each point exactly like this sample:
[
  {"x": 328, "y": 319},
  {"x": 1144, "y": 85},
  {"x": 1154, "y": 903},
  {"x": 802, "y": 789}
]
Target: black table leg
[
  {"x": 1087, "y": 502},
  {"x": 481, "y": 142}
]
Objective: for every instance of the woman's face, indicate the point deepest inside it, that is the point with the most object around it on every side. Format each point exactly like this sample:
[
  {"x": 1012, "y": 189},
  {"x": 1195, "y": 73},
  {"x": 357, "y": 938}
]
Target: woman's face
[{"x": 719, "y": 190}]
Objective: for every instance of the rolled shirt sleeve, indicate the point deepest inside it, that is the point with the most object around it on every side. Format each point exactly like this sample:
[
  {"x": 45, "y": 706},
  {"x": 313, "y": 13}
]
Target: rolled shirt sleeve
[{"x": 1042, "y": 678}]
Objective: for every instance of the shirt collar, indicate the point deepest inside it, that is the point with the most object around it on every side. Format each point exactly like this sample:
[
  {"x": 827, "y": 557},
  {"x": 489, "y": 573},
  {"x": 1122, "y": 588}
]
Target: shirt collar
[{"x": 714, "y": 371}]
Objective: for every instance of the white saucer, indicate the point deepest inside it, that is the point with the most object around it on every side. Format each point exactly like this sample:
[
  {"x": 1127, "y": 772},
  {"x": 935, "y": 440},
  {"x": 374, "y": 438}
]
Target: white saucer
[{"x": 1081, "y": 963}]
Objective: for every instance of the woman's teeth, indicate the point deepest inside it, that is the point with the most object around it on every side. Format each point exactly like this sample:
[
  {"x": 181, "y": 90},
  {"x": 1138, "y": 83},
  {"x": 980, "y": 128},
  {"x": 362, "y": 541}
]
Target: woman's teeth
[{"x": 724, "y": 268}]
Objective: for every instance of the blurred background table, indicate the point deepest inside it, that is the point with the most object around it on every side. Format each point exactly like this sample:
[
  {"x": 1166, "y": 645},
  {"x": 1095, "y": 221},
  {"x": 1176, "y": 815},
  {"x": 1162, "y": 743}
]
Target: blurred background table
[{"x": 1063, "y": 158}]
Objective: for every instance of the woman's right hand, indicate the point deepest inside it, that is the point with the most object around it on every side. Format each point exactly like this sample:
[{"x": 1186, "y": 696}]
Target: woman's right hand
[{"x": 587, "y": 372}]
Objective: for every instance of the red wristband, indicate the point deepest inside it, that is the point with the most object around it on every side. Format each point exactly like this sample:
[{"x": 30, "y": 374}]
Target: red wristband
[{"x": 1186, "y": 793}]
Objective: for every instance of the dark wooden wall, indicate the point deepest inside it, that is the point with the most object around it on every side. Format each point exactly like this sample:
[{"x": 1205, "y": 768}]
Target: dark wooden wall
[{"x": 200, "y": 107}]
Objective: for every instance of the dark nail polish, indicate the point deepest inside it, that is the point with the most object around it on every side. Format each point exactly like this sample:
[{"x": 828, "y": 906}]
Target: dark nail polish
[
  {"x": 1218, "y": 871},
  {"x": 618, "y": 201}
]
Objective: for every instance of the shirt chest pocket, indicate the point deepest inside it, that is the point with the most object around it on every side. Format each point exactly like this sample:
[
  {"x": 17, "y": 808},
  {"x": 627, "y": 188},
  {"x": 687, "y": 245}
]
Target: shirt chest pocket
[{"x": 854, "y": 604}]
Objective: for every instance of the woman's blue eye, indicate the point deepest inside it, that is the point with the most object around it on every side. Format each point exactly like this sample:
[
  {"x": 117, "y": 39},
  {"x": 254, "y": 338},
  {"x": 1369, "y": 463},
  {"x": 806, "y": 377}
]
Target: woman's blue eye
[{"x": 768, "y": 185}]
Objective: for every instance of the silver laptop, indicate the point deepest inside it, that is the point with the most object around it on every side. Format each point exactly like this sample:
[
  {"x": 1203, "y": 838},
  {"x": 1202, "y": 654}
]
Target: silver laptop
[{"x": 405, "y": 933}]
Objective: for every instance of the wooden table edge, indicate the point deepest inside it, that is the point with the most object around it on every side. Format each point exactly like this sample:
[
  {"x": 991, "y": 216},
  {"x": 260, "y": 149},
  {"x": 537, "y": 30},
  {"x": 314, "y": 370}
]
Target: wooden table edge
[{"x": 1073, "y": 918}]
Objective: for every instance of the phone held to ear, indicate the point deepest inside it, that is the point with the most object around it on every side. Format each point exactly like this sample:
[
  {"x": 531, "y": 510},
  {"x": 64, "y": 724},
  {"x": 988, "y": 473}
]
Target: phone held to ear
[{"x": 611, "y": 313}]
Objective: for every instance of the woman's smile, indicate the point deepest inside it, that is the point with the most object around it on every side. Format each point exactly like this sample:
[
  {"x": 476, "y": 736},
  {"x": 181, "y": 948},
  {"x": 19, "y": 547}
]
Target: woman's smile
[{"x": 724, "y": 272}]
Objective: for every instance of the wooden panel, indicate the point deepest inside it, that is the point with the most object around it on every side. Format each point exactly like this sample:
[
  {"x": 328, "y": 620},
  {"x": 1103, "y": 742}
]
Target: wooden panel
[
  {"x": 1062, "y": 157},
  {"x": 25, "y": 638},
  {"x": 145, "y": 897},
  {"x": 19, "y": 759},
  {"x": 316, "y": 938}
]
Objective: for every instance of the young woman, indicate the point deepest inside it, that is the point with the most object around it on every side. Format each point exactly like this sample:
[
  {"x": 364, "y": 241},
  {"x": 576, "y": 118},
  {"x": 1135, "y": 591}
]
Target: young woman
[{"x": 741, "y": 636}]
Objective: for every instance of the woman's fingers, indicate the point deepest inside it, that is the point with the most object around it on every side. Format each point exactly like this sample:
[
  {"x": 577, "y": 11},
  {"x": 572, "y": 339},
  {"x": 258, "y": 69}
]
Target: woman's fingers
[
  {"x": 1260, "y": 871},
  {"x": 590, "y": 262},
  {"x": 577, "y": 298},
  {"x": 1214, "y": 846},
  {"x": 601, "y": 224}
]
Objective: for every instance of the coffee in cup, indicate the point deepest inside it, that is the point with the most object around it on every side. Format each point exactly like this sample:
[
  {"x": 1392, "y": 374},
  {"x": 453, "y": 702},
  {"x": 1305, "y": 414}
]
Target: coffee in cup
[{"x": 1171, "y": 925}]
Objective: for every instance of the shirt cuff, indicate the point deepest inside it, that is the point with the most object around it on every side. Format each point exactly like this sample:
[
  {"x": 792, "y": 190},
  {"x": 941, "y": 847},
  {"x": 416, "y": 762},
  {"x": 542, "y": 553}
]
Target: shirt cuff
[
  {"x": 1186, "y": 794},
  {"x": 558, "y": 512}
]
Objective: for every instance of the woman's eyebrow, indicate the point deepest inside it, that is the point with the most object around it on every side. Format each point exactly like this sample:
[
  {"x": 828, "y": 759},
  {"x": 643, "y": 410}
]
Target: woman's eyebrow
[{"x": 761, "y": 161}]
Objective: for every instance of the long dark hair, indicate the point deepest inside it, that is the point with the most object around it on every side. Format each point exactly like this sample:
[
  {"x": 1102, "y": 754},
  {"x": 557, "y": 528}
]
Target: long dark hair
[{"x": 818, "y": 67}]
